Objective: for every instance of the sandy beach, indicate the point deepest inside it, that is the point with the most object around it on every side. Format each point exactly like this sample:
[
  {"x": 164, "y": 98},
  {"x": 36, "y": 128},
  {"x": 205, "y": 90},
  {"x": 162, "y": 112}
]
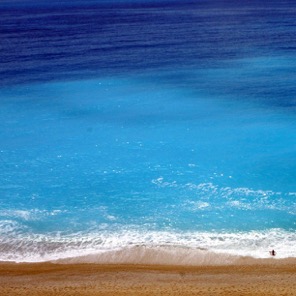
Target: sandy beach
[{"x": 255, "y": 277}]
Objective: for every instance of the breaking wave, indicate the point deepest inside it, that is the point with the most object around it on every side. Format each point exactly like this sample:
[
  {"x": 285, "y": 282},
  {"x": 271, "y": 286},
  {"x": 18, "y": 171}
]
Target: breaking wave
[{"x": 134, "y": 245}]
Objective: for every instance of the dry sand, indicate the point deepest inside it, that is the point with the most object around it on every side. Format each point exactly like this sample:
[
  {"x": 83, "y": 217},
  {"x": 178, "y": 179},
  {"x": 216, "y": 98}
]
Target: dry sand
[{"x": 272, "y": 277}]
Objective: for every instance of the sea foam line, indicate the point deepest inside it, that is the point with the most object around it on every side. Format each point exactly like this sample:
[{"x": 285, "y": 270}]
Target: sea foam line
[{"x": 101, "y": 245}]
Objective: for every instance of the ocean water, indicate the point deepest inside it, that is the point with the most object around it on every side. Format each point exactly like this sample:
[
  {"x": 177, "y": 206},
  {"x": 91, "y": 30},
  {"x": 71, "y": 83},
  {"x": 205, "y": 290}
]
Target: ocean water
[{"x": 147, "y": 131}]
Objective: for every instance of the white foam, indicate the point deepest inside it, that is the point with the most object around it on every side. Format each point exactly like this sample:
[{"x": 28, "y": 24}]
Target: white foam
[
  {"x": 127, "y": 245},
  {"x": 29, "y": 215},
  {"x": 226, "y": 197}
]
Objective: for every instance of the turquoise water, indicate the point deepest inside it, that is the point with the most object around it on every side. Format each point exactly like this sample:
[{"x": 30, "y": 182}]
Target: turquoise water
[{"x": 198, "y": 155}]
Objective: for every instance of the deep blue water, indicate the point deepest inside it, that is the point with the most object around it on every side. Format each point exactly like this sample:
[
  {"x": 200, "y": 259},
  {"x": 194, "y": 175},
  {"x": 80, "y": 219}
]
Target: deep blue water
[{"x": 147, "y": 123}]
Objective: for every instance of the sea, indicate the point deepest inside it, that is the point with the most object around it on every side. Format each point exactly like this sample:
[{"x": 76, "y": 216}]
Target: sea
[{"x": 156, "y": 132}]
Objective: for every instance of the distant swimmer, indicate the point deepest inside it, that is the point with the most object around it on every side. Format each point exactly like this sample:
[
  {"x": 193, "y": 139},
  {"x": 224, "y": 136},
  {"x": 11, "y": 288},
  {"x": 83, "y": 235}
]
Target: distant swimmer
[{"x": 272, "y": 252}]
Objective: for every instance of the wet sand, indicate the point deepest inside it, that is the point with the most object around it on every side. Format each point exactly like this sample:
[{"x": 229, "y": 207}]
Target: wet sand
[{"x": 273, "y": 277}]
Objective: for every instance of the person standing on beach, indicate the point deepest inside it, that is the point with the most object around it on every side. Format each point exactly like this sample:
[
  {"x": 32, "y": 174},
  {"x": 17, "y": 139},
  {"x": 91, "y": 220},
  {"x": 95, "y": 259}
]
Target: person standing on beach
[{"x": 272, "y": 252}]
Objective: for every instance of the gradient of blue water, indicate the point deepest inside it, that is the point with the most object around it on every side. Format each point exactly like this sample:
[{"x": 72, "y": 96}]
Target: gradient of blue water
[{"x": 130, "y": 119}]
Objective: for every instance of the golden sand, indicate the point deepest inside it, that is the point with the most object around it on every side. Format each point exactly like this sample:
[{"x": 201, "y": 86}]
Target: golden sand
[{"x": 276, "y": 278}]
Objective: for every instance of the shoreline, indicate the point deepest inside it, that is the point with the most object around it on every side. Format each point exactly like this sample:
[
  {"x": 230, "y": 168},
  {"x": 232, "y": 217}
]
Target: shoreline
[
  {"x": 172, "y": 255},
  {"x": 246, "y": 277}
]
